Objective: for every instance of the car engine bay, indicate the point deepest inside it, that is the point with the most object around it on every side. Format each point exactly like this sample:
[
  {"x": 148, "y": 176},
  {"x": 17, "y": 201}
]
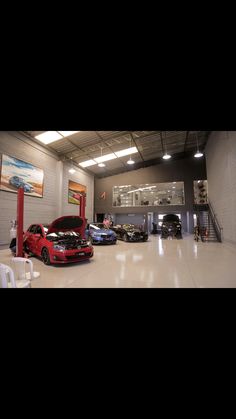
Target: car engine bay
[{"x": 68, "y": 239}]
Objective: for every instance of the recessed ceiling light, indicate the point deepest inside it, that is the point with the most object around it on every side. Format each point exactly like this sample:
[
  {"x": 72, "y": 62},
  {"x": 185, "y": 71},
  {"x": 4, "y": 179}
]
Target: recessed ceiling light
[
  {"x": 48, "y": 137},
  {"x": 87, "y": 163},
  {"x": 67, "y": 133},
  {"x": 101, "y": 165}
]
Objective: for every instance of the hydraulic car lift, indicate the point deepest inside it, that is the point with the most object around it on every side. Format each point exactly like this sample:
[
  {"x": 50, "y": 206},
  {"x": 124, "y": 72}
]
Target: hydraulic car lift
[
  {"x": 20, "y": 222},
  {"x": 82, "y": 213}
]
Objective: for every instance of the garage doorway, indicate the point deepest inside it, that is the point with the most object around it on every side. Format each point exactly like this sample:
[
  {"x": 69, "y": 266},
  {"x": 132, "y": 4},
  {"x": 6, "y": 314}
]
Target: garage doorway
[{"x": 99, "y": 218}]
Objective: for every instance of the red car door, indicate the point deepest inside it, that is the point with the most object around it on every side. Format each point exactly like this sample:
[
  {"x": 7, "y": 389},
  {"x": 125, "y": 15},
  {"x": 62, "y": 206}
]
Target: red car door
[{"x": 29, "y": 238}]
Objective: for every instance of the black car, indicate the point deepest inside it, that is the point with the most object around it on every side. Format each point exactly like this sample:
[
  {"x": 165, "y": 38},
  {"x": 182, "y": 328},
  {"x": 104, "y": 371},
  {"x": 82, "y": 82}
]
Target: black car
[
  {"x": 129, "y": 233},
  {"x": 171, "y": 226}
]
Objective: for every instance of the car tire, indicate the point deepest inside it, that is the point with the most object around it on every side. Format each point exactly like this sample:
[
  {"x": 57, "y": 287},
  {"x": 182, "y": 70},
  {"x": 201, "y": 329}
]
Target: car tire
[{"x": 45, "y": 256}]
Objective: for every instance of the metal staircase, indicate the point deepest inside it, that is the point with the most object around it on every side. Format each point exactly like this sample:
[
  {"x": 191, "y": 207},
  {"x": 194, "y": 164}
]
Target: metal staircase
[{"x": 210, "y": 230}]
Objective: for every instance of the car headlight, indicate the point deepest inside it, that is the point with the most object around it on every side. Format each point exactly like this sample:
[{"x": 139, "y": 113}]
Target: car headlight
[
  {"x": 59, "y": 247},
  {"x": 178, "y": 225},
  {"x": 96, "y": 234},
  {"x": 163, "y": 225},
  {"x": 88, "y": 243},
  {"x": 130, "y": 234}
]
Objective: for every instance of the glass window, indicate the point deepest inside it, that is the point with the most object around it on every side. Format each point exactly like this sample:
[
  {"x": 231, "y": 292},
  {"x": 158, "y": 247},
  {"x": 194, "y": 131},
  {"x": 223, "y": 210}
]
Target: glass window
[
  {"x": 160, "y": 216},
  {"x": 154, "y": 194}
]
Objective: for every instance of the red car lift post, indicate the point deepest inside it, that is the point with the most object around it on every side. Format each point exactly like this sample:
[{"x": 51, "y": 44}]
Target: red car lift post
[
  {"x": 82, "y": 213},
  {"x": 20, "y": 222}
]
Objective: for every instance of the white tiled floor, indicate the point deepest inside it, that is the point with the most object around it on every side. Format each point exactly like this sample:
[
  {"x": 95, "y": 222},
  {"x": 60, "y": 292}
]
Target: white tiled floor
[{"x": 155, "y": 264}]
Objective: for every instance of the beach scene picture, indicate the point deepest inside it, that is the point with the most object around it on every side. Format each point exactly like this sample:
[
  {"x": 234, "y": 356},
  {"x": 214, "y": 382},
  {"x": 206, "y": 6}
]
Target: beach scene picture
[
  {"x": 74, "y": 192},
  {"x": 15, "y": 174}
]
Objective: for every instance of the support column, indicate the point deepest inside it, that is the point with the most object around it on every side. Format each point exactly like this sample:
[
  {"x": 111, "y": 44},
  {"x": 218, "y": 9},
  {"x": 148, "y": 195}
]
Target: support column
[
  {"x": 82, "y": 213},
  {"x": 20, "y": 222}
]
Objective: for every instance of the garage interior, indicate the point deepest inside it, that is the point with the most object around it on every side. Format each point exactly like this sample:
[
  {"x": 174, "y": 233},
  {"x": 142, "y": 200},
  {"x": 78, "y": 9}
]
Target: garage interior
[{"x": 132, "y": 177}]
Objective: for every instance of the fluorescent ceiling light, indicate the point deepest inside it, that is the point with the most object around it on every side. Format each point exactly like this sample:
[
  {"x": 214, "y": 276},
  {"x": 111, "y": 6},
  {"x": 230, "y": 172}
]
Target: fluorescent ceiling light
[
  {"x": 49, "y": 137},
  {"x": 105, "y": 158},
  {"x": 87, "y": 163},
  {"x": 67, "y": 133},
  {"x": 135, "y": 190},
  {"x": 112, "y": 156},
  {"x": 126, "y": 152}
]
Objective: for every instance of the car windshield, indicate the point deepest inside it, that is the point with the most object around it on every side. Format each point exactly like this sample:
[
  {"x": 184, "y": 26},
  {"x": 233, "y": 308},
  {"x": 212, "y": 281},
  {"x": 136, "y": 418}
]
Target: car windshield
[
  {"x": 128, "y": 227},
  {"x": 171, "y": 218},
  {"x": 97, "y": 226},
  {"x": 45, "y": 227}
]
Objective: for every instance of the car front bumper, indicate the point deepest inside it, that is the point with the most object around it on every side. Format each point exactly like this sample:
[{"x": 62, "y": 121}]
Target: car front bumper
[
  {"x": 170, "y": 232},
  {"x": 103, "y": 240},
  {"x": 69, "y": 256},
  {"x": 137, "y": 239}
]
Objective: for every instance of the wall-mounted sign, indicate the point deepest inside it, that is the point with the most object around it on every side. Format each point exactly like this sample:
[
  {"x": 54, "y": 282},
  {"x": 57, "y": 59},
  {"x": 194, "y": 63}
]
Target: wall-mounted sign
[{"x": 102, "y": 195}]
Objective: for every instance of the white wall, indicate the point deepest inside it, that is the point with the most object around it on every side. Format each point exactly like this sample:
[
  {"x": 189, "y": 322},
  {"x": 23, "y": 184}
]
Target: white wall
[
  {"x": 55, "y": 195},
  {"x": 221, "y": 175}
]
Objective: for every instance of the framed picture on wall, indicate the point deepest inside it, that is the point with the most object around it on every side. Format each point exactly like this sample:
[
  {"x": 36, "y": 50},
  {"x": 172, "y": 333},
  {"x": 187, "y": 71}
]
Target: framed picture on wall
[
  {"x": 16, "y": 173},
  {"x": 74, "y": 191}
]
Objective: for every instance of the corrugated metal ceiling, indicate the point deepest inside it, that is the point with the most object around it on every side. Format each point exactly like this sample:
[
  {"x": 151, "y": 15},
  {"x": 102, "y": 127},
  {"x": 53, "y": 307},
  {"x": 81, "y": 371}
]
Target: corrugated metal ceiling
[{"x": 151, "y": 145}]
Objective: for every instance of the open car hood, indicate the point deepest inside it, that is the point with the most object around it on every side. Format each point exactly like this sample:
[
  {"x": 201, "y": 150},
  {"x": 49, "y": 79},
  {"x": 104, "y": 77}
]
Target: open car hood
[{"x": 68, "y": 223}]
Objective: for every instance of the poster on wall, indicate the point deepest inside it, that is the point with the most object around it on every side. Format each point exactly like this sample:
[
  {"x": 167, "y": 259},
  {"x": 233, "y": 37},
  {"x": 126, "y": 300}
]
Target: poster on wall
[
  {"x": 74, "y": 192},
  {"x": 16, "y": 173},
  {"x": 200, "y": 191}
]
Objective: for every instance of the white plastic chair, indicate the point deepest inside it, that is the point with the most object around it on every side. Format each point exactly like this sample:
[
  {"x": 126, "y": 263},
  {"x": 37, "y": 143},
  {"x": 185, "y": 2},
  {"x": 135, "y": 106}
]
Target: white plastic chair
[
  {"x": 6, "y": 274},
  {"x": 24, "y": 269}
]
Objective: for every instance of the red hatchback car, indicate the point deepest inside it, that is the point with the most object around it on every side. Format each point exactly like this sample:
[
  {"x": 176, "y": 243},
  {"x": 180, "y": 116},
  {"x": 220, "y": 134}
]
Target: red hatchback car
[{"x": 59, "y": 242}]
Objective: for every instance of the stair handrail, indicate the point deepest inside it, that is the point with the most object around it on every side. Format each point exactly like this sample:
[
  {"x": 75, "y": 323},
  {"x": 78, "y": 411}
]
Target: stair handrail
[{"x": 217, "y": 226}]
